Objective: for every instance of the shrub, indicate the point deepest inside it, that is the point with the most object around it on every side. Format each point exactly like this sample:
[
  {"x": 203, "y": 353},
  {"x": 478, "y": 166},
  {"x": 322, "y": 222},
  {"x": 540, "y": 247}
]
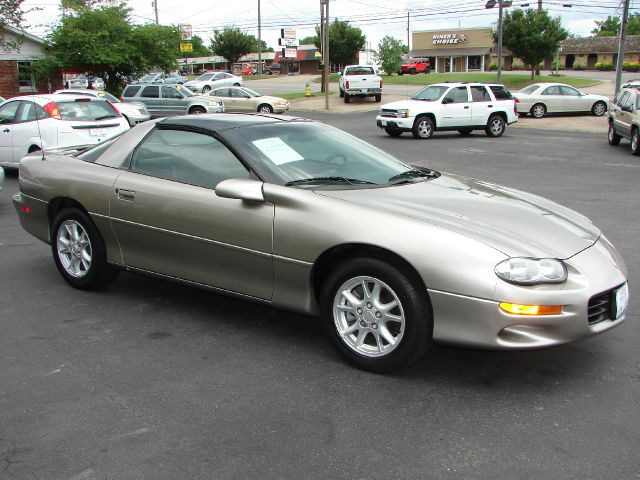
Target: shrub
[
  {"x": 604, "y": 66},
  {"x": 631, "y": 66},
  {"x": 492, "y": 67},
  {"x": 579, "y": 65},
  {"x": 517, "y": 66}
]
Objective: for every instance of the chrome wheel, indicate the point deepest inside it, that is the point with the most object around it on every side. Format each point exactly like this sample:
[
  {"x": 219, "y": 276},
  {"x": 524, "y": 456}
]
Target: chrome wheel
[
  {"x": 599, "y": 108},
  {"x": 538, "y": 110},
  {"x": 497, "y": 126},
  {"x": 74, "y": 248},
  {"x": 635, "y": 142},
  {"x": 368, "y": 316},
  {"x": 265, "y": 109},
  {"x": 425, "y": 129}
]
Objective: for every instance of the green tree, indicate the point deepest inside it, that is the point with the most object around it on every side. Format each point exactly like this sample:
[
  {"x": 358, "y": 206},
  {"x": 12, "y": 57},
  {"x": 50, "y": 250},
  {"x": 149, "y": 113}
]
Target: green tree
[
  {"x": 390, "y": 54},
  {"x": 611, "y": 26},
  {"x": 104, "y": 41},
  {"x": 310, "y": 40},
  {"x": 199, "y": 48},
  {"x": 232, "y": 43},
  {"x": 345, "y": 42},
  {"x": 532, "y": 35},
  {"x": 11, "y": 14}
]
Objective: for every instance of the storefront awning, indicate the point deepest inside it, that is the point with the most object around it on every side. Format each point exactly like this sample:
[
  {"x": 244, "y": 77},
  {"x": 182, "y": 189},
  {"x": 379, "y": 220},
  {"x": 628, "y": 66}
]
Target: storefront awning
[{"x": 449, "y": 52}]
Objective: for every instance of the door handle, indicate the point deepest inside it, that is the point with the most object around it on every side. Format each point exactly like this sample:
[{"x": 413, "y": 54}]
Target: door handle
[
  {"x": 127, "y": 195},
  {"x": 490, "y": 106},
  {"x": 6, "y": 130},
  {"x": 467, "y": 107}
]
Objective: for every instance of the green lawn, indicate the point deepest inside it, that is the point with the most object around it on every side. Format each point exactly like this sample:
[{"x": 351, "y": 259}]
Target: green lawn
[{"x": 514, "y": 81}]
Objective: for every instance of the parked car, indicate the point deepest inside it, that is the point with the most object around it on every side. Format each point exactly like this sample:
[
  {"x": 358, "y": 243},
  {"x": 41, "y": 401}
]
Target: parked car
[
  {"x": 167, "y": 100},
  {"x": 243, "y": 99},
  {"x": 302, "y": 216},
  {"x": 624, "y": 118},
  {"x": 35, "y": 122},
  {"x": 360, "y": 80},
  {"x": 85, "y": 82},
  {"x": 133, "y": 112},
  {"x": 208, "y": 81},
  {"x": 161, "y": 77},
  {"x": 540, "y": 99},
  {"x": 412, "y": 66},
  {"x": 464, "y": 107}
]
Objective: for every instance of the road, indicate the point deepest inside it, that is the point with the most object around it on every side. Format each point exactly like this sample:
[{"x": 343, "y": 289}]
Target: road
[{"x": 151, "y": 380}]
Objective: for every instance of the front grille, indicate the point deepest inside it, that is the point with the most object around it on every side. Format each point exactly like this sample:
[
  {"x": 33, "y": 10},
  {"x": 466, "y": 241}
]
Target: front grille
[
  {"x": 389, "y": 113},
  {"x": 599, "y": 308}
]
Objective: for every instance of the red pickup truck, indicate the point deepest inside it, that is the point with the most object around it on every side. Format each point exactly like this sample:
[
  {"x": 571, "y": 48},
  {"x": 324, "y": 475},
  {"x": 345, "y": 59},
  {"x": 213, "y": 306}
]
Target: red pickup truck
[{"x": 415, "y": 65}]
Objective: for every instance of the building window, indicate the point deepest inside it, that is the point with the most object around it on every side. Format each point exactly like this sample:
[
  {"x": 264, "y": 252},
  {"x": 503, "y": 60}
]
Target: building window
[
  {"x": 25, "y": 78},
  {"x": 475, "y": 62}
]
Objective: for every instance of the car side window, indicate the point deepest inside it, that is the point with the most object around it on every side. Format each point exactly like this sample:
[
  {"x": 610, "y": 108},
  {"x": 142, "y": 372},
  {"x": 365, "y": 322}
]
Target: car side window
[
  {"x": 131, "y": 91},
  {"x": 457, "y": 95},
  {"x": 626, "y": 101},
  {"x": 237, "y": 93},
  {"x": 8, "y": 112},
  {"x": 501, "y": 93},
  {"x": 553, "y": 90},
  {"x": 480, "y": 94},
  {"x": 187, "y": 157},
  {"x": 222, "y": 92},
  {"x": 151, "y": 92},
  {"x": 572, "y": 92},
  {"x": 168, "y": 92},
  {"x": 28, "y": 112}
]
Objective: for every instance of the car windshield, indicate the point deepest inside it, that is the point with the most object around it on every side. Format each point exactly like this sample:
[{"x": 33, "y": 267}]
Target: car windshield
[
  {"x": 205, "y": 77},
  {"x": 108, "y": 96},
  {"x": 184, "y": 91},
  {"x": 530, "y": 89},
  {"x": 430, "y": 93},
  {"x": 149, "y": 78},
  {"x": 86, "y": 110},
  {"x": 308, "y": 154}
]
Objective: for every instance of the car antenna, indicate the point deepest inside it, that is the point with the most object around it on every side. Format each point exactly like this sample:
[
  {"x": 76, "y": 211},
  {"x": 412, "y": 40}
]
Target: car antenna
[{"x": 35, "y": 105}]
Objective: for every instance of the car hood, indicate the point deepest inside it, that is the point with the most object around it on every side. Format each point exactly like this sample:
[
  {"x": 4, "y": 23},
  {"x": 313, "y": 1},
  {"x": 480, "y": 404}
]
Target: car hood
[
  {"x": 401, "y": 104},
  {"x": 513, "y": 222}
]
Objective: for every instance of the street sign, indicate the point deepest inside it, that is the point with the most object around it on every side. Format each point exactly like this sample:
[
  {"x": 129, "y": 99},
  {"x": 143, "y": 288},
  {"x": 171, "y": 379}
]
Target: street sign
[
  {"x": 290, "y": 52},
  {"x": 186, "y": 47},
  {"x": 288, "y": 32},
  {"x": 288, "y": 42},
  {"x": 186, "y": 32},
  {"x": 318, "y": 55}
]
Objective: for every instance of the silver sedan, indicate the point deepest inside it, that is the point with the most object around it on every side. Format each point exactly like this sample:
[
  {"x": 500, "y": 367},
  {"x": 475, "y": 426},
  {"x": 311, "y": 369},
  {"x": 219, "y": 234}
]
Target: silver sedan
[
  {"x": 540, "y": 99},
  {"x": 209, "y": 81}
]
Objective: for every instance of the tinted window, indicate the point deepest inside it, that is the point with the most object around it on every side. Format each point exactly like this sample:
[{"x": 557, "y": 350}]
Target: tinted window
[
  {"x": 151, "y": 92},
  {"x": 238, "y": 93},
  {"x": 168, "y": 92},
  {"x": 221, "y": 92},
  {"x": 131, "y": 91},
  {"x": 187, "y": 157},
  {"x": 500, "y": 92},
  {"x": 359, "y": 71},
  {"x": 529, "y": 90},
  {"x": 554, "y": 90},
  {"x": 8, "y": 112},
  {"x": 457, "y": 95},
  {"x": 28, "y": 112},
  {"x": 480, "y": 94},
  {"x": 626, "y": 101},
  {"x": 569, "y": 91},
  {"x": 86, "y": 111}
]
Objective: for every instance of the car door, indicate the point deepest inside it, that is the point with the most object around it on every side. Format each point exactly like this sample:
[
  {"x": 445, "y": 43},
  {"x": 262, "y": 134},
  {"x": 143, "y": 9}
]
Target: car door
[
  {"x": 456, "y": 108},
  {"x": 150, "y": 96},
  {"x": 242, "y": 100},
  {"x": 173, "y": 102},
  {"x": 482, "y": 105},
  {"x": 624, "y": 114},
  {"x": 8, "y": 114},
  {"x": 169, "y": 220},
  {"x": 573, "y": 100},
  {"x": 553, "y": 99},
  {"x": 225, "y": 95}
]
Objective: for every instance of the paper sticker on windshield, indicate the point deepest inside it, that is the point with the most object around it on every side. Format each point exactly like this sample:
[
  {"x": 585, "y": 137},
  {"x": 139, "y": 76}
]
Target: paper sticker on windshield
[{"x": 277, "y": 151}]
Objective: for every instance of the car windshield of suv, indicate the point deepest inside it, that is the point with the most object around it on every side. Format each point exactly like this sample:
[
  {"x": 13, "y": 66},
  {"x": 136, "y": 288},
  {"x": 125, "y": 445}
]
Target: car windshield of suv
[
  {"x": 530, "y": 89},
  {"x": 431, "y": 93},
  {"x": 205, "y": 77},
  {"x": 184, "y": 91},
  {"x": 308, "y": 154},
  {"x": 85, "y": 111}
]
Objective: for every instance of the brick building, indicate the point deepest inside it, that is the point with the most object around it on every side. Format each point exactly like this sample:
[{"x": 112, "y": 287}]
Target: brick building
[{"x": 15, "y": 64}]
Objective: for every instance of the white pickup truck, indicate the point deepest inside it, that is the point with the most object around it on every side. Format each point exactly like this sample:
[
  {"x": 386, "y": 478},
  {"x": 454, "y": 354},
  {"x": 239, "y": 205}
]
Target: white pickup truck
[{"x": 360, "y": 80}]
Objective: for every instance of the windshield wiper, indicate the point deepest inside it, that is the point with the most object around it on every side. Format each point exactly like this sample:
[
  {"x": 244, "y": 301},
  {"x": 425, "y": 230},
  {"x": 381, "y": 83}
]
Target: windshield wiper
[
  {"x": 415, "y": 173},
  {"x": 350, "y": 181}
]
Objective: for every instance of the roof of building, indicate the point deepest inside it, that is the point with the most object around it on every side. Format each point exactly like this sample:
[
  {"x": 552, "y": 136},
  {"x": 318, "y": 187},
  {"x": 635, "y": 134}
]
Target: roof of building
[
  {"x": 585, "y": 45},
  {"x": 18, "y": 32}
]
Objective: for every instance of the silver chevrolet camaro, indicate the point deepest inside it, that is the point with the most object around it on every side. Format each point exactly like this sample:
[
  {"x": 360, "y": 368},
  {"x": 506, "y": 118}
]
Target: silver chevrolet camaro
[{"x": 303, "y": 216}]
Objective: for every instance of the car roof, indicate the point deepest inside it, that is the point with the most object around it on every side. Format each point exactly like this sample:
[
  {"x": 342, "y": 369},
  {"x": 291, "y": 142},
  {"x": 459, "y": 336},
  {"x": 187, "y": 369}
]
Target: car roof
[
  {"x": 462, "y": 84},
  {"x": 224, "y": 121},
  {"x": 54, "y": 97}
]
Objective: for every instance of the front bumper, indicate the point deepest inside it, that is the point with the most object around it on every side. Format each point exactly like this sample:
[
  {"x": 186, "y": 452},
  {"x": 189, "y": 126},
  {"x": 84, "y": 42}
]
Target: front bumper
[
  {"x": 280, "y": 108},
  {"x": 475, "y": 322},
  {"x": 395, "y": 123}
]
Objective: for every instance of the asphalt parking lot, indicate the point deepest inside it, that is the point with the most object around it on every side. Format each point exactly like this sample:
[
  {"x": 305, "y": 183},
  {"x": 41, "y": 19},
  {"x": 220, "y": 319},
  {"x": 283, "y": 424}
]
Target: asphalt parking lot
[{"x": 151, "y": 380}]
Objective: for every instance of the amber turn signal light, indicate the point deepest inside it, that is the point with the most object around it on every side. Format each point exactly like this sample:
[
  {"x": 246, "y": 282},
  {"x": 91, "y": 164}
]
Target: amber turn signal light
[{"x": 517, "y": 309}]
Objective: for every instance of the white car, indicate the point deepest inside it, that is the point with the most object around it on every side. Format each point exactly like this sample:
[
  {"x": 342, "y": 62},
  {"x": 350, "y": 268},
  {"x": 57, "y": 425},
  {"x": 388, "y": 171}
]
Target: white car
[
  {"x": 36, "y": 122},
  {"x": 208, "y": 81},
  {"x": 464, "y": 107},
  {"x": 134, "y": 112},
  {"x": 361, "y": 81},
  {"x": 540, "y": 99}
]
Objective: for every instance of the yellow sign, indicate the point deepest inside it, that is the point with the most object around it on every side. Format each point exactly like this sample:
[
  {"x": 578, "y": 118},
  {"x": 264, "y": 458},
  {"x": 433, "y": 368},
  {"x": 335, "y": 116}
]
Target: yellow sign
[
  {"x": 186, "y": 47},
  {"x": 318, "y": 55}
]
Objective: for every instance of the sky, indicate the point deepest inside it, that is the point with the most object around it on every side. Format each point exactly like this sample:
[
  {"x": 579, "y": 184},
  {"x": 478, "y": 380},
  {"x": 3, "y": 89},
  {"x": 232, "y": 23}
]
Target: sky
[{"x": 376, "y": 18}]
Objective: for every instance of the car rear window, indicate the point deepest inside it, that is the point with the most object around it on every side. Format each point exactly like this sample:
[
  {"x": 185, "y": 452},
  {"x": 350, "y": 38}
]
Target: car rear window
[
  {"x": 501, "y": 93},
  {"x": 131, "y": 91},
  {"x": 359, "y": 71},
  {"x": 86, "y": 111}
]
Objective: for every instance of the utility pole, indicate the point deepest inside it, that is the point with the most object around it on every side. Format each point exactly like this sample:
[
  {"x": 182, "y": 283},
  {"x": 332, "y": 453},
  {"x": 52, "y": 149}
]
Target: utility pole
[
  {"x": 621, "y": 41},
  {"x": 408, "y": 42},
  {"x": 322, "y": 43},
  {"x": 259, "y": 41},
  {"x": 155, "y": 7},
  {"x": 539, "y": 5},
  {"x": 499, "y": 41},
  {"x": 327, "y": 71}
]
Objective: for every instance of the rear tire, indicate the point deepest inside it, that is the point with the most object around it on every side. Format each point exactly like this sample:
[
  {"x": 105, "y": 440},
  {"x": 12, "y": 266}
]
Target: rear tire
[
  {"x": 347, "y": 98},
  {"x": 495, "y": 126},
  {"x": 377, "y": 316},
  {"x": 612, "y": 136},
  {"x": 79, "y": 251},
  {"x": 34, "y": 148},
  {"x": 635, "y": 141},
  {"x": 341, "y": 93},
  {"x": 378, "y": 97}
]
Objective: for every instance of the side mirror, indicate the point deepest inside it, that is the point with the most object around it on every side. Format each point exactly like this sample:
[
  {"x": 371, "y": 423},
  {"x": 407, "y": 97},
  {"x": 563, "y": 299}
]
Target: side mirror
[
  {"x": 626, "y": 109},
  {"x": 447, "y": 100},
  {"x": 240, "y": 189},
  {"x": 339, "y": 74}
]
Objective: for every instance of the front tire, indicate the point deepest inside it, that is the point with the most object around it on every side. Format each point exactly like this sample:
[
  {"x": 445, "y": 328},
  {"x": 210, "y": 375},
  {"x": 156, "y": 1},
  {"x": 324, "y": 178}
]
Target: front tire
[
  {"x": 538, "y": 110},
  {"x": 393, "y": 132},
  {"x": 423, "y": 128},
  {"x": 206, "y": 89},
  {"x": 599, "y": 109},
  {"x": 612, "y": 136},
  {"x": 197, "y": 111},
  {"x": 495, "y": 126},
  {"x": 79, "y": 251},
  {"x": 635, "y": 142},
  {"x": 264, "y": 108},
  {"x": 377, "y": 316}
]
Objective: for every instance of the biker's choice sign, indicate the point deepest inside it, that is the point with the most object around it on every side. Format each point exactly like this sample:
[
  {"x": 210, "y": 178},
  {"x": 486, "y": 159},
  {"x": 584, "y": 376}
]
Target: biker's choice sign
[{"x": 448, "y": 39}]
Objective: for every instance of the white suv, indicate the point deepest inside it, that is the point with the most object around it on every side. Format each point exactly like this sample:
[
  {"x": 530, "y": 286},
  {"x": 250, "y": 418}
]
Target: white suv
[{"x": 464, "y": 107}]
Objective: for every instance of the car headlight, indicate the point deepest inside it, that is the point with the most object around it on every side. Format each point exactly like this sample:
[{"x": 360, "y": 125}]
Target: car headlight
[
  {"x": 403, "y": 113},
  {"x": 214, "y": 104},
  {"x": 531, "y": 271}
]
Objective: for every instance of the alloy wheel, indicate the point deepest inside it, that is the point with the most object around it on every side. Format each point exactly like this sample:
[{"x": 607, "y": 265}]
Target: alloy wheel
[
  {"x": 424, "y": 128},
  {"x": 497, "y": 127},
  {"x": 74, "y": 248}
]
